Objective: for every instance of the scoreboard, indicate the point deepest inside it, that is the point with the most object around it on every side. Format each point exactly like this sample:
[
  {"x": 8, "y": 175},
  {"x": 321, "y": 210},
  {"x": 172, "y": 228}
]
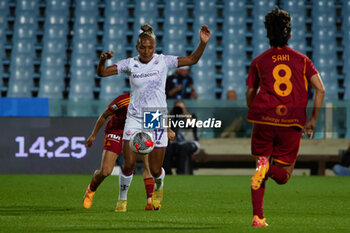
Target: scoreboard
[{"x": 48, "y": 145}]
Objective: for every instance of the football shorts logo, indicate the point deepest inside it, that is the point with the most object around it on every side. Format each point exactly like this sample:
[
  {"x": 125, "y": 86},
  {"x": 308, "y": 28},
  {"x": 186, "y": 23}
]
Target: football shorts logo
[
  {"x": 114, "y": 107},
  {"x": 152, "y": 119},
  {"x": 128, "y": 133}
]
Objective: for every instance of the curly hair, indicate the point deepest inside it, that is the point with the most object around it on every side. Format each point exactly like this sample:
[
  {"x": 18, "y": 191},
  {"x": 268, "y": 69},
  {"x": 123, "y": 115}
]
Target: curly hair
[{"x": 278, "y": 27}]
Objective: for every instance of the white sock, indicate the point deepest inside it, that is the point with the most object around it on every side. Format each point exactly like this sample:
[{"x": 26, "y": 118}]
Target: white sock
[
  {"x": 159, "y": 180},
  {"x": 124, "y": 184}
]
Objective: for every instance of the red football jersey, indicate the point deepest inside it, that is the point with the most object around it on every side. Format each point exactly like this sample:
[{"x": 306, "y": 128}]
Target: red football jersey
[
  {"x": 282, "y": 74},
  {"x": 118, "y": 107}
]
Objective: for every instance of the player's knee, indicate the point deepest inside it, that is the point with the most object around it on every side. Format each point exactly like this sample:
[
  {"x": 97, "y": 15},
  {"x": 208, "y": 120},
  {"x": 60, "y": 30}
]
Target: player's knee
[
  {"x": 284, "y": 180},
  {"x": 127, "y": 169},
  {"x": 106, "y": 172},
  {"x": 156, "y": 172}
]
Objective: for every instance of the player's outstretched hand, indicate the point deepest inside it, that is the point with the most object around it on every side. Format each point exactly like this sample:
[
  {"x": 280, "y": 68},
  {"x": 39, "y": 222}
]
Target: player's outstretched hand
[
  {"x": 205, "y": 34},
  {"x": 90, "y": 141},
  {"x": 309, "y": 128},
  {"x": 107, "y": 55}
]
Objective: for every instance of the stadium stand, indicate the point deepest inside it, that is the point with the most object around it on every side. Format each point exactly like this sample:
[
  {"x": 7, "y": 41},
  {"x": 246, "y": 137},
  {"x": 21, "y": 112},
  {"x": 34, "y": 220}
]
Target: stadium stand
[
  {"x": 346, "y": 46},
  {"x": 23, "y": 52},
  {"x": 324, "y": 45},
  {"x": 234, "y": 43},
  {"x": 84, "y": 50},
  {"x": 53, "y": 57},
  {"x": 297, "y": 10},
  {"x": 3, "y": 21},
  {"x": 175, "y": 33},
  {"x": 43, "y": 41},
  {"x": 260, "y": 8},
  {"x": 204, "y": 71},
  {"x": 115, "y": 40}
]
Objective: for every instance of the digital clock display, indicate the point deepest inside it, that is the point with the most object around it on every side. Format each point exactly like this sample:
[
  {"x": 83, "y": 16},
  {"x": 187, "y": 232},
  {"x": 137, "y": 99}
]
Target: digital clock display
[
  {"x": 39, "y": 147},
  {"x": 48, "y": 145}
]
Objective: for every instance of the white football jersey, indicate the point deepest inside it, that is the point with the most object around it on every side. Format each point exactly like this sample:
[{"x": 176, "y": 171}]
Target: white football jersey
[{"x": 147, "y": 81}]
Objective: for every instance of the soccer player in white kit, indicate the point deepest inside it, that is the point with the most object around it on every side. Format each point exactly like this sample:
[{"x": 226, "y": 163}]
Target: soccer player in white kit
[{"x": 147, "y": 75}]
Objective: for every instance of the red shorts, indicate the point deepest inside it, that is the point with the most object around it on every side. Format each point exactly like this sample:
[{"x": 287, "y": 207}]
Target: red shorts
[
  {"x": 113, "y": 143},
  {"x": 281, "y": 142}
]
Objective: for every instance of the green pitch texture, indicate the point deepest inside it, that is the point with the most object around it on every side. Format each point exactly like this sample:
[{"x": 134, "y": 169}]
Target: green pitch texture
[{"x": 53, "y": 203}]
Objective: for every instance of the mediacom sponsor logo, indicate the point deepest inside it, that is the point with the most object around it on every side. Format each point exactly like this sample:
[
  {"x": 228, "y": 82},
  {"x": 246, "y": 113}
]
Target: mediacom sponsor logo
[{"x": 145, "y": 75}]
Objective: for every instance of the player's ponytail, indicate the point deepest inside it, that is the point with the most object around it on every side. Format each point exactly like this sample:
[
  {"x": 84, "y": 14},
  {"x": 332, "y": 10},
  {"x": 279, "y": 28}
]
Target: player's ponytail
[{"x": 147, "y": 30}]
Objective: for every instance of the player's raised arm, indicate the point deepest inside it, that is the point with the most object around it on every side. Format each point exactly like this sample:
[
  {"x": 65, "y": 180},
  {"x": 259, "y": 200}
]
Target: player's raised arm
[
  {"x": 316, "y": 83},
  {"x": 101, "y": 70},
  {"x": 196, "y": 55},
  {"x": 99, "y": 123}
]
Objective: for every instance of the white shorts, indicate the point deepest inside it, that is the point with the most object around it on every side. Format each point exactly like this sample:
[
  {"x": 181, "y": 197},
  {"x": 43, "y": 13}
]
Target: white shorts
[{"x": 133, "y": 124}]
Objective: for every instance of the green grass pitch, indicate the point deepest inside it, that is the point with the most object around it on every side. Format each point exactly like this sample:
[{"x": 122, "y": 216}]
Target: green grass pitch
[{"x": 53, "y": 203}]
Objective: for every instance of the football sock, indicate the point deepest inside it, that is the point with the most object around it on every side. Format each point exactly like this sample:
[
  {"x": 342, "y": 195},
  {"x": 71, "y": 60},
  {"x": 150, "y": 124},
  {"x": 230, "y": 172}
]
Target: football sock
[
  {"x": 93, "y": 186},
  {"x": 278, "y": 174},
  {"x": 159, "y": 180},
  {"x": 124, "y": 184},
  {"x": 126, "y": 173},
  {"x": 96, "y": 181},
  {"x": 258, "y": 200},
  {"x": 149, "y": 186}
]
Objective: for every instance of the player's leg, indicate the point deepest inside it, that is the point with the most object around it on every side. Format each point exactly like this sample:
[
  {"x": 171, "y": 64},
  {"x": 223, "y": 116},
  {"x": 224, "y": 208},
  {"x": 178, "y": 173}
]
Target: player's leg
[
  {"x": 156, "y": 158},
  {"x": 262, "y": 147},
  {"x": 125, "y": 176},
  {"x": 130, "y": 157},
  {"x": 285, "y": 154},
  {"x": 280, "y": 172},
  {"x": 149, "y": 182},
  {"x": 106, "y": 168}
]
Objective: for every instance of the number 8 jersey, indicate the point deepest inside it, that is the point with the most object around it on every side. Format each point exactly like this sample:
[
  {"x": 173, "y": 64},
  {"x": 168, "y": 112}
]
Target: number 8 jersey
[{"x": 282, "y": 76}]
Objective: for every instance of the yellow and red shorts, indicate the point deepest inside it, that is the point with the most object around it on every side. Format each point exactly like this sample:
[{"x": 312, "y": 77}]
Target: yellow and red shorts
[{"x": 113, "y": 143}]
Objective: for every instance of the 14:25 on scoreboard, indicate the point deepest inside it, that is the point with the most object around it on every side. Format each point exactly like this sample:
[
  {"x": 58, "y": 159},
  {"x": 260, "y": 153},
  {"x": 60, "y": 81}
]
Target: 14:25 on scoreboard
[{"x": 59, "y": 147}]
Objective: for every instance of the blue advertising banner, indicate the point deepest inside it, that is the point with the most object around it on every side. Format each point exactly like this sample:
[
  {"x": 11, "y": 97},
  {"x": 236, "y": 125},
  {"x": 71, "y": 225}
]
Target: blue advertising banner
[{"x": 28, "y": 107}]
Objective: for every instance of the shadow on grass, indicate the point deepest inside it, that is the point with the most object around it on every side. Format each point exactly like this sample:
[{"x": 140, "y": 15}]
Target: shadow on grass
[
  {"x": 28, "y": 210},
  {"x": 128, "y": 229}
]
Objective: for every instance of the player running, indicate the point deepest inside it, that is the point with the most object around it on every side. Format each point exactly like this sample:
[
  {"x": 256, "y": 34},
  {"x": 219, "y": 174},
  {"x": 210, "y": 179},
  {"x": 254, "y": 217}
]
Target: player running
[
  {"x": 112, "y": 148},
  {"x": 147, "y": 75},
  {"x": 278, "y": 110}
]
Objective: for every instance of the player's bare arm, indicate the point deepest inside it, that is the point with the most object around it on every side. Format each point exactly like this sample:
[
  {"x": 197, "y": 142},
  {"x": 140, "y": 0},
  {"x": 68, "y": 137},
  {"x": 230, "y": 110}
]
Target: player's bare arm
[
  {"x": 317, "y": 84},
  {"x": 101, "y": 70},
  {"x": 99, "y": 123},
  {"x": 196, "y": 55},
  {"x": 250, "y": 94}
]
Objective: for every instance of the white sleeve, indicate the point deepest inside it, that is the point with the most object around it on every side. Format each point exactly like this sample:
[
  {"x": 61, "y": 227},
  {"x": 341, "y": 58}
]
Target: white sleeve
[
  {"x": 123, "y": 65},
  {"x": 171, "y": 61}
]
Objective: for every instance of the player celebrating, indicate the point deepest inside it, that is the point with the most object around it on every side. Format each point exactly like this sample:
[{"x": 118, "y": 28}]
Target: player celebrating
[
  {"x": 117, "y": 109},
  {"x": 147, "y": 75},
  {"x": 278, "y": 110}
]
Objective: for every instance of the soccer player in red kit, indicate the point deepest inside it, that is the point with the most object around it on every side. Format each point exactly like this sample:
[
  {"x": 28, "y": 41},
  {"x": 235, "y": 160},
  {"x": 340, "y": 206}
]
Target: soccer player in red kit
[
  {"x": 113, "y": 141},
  {"x": 278, "y": 109}
]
